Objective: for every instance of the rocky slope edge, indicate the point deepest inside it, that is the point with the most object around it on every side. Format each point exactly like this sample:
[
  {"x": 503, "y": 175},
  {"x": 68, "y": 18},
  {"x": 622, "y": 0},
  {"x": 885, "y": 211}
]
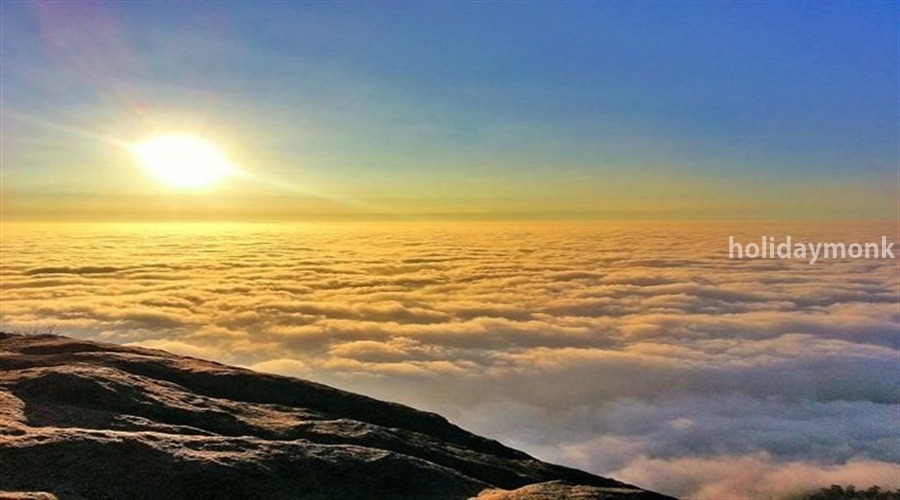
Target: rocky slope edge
[{"x": 88, "y": 420}]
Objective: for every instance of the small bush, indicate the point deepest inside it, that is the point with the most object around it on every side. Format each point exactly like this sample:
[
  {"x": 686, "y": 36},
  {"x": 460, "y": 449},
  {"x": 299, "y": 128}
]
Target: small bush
[{"x": 850, "y": 492}]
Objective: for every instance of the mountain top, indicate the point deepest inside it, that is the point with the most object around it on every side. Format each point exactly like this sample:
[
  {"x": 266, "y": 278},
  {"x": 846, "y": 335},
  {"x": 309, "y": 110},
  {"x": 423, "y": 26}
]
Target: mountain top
[{"x": 89, "y": 420}]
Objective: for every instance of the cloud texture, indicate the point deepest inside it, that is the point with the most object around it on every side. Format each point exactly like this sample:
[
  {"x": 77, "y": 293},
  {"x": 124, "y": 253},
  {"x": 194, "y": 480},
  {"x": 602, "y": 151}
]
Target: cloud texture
[{"x": 642, "y": 352}]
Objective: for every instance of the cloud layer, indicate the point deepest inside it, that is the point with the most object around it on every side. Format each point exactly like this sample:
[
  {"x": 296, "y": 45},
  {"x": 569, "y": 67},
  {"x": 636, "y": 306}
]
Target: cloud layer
[{"x": 641, "y": 351}]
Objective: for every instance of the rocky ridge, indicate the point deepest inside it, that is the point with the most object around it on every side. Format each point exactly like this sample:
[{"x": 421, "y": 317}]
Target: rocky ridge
[{"x": 88, "y": 420}]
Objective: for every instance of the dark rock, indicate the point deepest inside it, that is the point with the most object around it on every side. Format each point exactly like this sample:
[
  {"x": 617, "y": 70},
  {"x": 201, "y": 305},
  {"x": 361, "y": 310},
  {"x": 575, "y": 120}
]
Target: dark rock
[{"x": 85, "y": 420}]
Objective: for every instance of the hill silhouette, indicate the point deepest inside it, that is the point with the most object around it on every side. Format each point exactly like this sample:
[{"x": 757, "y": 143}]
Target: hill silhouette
[{"x": 88, "y": 420}]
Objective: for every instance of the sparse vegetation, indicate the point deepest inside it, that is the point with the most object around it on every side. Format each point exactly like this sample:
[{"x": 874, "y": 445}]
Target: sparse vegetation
[{"x": 850, "y": 492}]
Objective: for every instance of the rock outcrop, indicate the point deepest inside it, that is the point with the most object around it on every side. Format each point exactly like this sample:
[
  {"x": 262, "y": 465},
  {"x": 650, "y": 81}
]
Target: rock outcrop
[{"x": 86, "y": 420}]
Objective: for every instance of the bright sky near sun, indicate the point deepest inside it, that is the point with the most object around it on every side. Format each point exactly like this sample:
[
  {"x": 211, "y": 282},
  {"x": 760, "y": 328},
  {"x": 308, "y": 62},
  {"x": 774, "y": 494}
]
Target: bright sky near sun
[{"x": 476, "y": 109}]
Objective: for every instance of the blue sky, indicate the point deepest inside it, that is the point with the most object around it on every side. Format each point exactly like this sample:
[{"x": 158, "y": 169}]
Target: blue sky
[{"x": 467, "y": 101}]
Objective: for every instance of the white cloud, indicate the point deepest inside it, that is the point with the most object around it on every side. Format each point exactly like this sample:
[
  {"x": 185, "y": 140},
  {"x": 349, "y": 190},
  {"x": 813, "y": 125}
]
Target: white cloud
[{"x": 640, "y": 351}]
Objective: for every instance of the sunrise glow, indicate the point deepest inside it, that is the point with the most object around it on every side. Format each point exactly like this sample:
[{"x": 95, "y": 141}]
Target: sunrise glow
[{"x": 182, "y": 161}]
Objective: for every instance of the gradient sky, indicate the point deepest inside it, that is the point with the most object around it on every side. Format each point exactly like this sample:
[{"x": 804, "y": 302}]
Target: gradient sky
[{"x": 482, "y": 109}]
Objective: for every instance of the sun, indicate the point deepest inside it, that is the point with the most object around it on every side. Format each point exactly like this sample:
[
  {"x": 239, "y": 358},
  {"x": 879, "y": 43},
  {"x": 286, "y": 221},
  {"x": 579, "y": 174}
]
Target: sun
[{"x": 183, "y": 161}]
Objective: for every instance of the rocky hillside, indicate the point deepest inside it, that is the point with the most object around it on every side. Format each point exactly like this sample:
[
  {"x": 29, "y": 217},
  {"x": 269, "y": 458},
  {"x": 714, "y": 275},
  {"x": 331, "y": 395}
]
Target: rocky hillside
[{"x": 86, "y": 420}]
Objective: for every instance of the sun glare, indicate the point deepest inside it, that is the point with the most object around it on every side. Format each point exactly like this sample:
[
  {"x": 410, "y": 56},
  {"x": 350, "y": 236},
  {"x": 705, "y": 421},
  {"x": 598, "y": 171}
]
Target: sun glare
[{"x": 183, "y": 161}]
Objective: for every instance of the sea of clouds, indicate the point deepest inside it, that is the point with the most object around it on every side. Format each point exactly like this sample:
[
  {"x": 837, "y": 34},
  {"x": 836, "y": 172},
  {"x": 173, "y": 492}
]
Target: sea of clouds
[{"x": 637, "y": 351}]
